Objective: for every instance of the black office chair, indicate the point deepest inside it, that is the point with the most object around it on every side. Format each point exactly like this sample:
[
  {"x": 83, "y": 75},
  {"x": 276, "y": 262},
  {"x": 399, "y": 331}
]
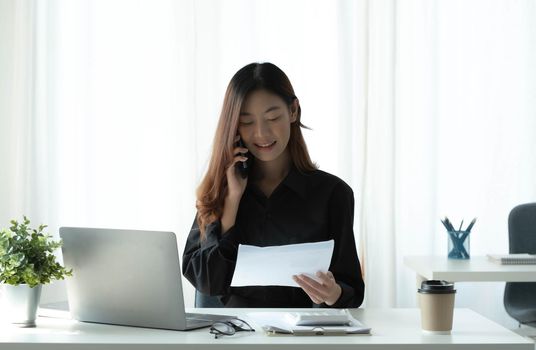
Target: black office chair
[
  {"x": 204, "y": 300},
  {"x": 520, "y": 297}
]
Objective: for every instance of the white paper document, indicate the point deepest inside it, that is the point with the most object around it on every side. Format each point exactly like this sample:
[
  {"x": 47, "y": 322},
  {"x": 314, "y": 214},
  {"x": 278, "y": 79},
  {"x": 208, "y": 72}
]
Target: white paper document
[{"x": 275, "y": 265}]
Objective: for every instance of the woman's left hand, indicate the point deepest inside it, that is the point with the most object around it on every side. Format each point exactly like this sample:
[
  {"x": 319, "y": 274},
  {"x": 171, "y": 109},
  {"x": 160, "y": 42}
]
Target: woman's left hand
[{"x": 327, "y": 290}]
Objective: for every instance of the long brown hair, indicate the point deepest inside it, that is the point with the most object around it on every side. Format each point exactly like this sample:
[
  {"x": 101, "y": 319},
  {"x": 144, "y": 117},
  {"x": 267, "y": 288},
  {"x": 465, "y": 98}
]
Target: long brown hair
[{"x": 255, "y": 76}]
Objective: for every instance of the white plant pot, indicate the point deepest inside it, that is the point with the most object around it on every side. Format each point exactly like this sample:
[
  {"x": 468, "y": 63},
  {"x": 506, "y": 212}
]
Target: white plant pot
[{"x": 21, "y": 304}]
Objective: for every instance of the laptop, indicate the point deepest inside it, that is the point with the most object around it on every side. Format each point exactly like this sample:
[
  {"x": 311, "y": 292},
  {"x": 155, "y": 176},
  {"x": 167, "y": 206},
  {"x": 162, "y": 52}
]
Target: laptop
[{"x": 127, "y": 277}]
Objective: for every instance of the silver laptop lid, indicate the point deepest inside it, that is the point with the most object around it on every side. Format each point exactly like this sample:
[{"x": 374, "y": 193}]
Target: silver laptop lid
[{"x": 125, "y": 277}]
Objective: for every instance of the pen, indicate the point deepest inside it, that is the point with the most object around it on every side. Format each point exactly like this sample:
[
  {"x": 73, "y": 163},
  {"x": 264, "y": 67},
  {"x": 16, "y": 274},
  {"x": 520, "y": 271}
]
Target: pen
[
  {"x": 461, "y": 224},
  {"x": 444, "y": 224},
  {"x": 450, "y": 227},
  {"x": 471, "y": 225}
]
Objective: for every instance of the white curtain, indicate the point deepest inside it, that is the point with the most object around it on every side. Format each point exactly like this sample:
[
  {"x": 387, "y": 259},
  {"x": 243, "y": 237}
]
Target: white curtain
[
  {"x": 426, "y": 108},
  {"x": 450, "y": 129}
]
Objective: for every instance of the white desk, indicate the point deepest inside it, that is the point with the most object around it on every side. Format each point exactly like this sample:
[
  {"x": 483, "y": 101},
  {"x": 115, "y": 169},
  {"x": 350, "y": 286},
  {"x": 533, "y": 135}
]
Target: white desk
[
  {"x": 477, "y": 269},
  {"x": 391, "y": 329}
]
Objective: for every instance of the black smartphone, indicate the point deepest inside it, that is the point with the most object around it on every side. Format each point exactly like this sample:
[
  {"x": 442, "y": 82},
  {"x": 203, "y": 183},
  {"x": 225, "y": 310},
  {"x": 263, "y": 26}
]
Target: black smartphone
[{"x": 243, "y": 167}]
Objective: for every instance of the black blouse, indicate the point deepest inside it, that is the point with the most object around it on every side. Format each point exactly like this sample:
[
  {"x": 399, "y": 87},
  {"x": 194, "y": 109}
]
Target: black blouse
[{"x": 305, "y": 207}]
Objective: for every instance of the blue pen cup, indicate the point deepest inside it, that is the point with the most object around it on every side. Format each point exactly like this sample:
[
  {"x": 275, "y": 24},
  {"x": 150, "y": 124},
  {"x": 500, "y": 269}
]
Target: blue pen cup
[{"x": 458, "y": 247}]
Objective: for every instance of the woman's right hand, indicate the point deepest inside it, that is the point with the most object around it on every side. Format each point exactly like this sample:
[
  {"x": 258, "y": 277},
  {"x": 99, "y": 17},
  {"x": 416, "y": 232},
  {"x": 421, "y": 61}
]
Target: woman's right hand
[{"x": 236, "y": 184}]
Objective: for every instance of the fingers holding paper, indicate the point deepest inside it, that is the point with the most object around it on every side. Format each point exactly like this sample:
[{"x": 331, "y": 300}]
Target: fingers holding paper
[{"x": 324, "y": 289}]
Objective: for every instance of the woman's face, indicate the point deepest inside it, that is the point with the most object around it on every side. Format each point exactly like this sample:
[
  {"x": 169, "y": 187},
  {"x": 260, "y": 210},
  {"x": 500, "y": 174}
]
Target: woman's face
[{"x": 264, "y": 124}]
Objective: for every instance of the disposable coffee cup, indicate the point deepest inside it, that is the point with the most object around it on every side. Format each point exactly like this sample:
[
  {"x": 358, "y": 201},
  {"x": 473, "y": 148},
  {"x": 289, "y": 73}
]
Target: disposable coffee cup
[{"x": 436, "y": 299}]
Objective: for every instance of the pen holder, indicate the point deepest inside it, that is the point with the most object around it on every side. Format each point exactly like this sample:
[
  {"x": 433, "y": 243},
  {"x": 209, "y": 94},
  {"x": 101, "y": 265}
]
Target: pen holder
[{"x": 458, "y": 245}]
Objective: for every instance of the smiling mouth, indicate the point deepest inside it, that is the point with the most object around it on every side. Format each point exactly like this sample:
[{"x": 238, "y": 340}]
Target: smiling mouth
[{"x": 266, "y": 145}]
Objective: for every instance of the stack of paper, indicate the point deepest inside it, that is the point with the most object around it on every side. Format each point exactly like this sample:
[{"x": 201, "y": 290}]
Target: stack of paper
[
  {"x": 513, "y": 259},
  {"x": 283, "y": 323}
]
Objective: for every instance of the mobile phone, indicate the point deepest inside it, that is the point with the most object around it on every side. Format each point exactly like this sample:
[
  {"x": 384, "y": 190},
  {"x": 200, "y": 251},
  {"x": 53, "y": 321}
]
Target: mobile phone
[{"x": 243, "y": 167}]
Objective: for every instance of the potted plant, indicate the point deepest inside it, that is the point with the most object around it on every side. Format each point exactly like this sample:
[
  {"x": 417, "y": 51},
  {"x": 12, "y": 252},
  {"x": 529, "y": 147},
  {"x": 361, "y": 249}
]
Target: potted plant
[{"x": 26, "y": 263}]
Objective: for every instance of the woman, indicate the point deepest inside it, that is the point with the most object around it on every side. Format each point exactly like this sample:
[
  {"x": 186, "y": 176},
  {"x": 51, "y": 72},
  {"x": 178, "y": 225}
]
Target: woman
[{"x": 281, "y": 198}]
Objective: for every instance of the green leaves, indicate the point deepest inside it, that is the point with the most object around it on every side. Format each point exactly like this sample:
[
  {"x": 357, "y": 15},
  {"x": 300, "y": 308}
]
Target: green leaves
[{"x": 26, "y": 255}]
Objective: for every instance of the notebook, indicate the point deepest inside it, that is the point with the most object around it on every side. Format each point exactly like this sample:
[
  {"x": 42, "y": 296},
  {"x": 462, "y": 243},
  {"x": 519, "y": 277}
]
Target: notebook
[
  {"x": 127, "y": 277},
  {"x": 513, "y": 259}
]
